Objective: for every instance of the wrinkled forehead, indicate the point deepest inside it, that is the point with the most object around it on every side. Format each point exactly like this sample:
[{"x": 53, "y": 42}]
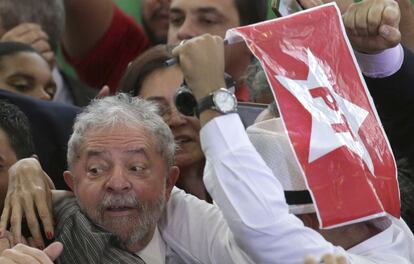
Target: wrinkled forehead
[{"x": 118, "y": 136}]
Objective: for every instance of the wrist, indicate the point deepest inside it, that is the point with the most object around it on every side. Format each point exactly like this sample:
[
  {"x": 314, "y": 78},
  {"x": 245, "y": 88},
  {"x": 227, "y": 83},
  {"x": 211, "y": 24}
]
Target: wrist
[{"x": 203, "y": 89}]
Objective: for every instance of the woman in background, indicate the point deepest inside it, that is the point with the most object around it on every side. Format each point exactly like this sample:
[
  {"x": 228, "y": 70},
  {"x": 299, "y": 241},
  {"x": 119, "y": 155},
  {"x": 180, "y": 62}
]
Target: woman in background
[{"x": 23, "y": 70}]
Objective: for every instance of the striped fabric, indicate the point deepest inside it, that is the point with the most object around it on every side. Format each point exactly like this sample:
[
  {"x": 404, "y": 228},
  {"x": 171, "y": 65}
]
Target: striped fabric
[{"x": 84, "y": 242}]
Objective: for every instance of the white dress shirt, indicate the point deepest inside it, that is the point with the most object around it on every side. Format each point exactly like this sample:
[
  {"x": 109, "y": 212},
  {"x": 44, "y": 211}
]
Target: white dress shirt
[
  {"x": 197, "y": 232},
  {"x": 154, "y": 252}
]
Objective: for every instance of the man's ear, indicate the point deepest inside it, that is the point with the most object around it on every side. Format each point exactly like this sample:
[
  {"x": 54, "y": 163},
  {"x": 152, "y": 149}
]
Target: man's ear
[
  {"x": 68, "y": 177},
  {"x": 172, "y": 178}
]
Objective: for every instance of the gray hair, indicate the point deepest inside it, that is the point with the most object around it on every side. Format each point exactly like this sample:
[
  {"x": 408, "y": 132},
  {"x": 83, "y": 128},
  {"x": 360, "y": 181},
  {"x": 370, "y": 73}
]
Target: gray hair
[
  {"x": 121, "y": 110},
  {"x": 49, "y": 14},
  {"x": 257, "y": 83}
]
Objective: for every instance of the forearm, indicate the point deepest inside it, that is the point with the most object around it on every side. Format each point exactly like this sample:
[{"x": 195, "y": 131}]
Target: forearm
[{"x": 86, "y": 23}]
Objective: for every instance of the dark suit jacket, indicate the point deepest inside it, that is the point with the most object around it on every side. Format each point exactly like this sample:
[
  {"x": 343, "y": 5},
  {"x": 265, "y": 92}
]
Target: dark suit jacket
[
  {"x": 51, "y": 125},
  {"x": 81, "y": 93},
  {"x": 394, "y": 99}
]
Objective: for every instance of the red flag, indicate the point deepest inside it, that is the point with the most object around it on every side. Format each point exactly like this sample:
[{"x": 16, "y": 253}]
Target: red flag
[{"x": 328, "y": 113}]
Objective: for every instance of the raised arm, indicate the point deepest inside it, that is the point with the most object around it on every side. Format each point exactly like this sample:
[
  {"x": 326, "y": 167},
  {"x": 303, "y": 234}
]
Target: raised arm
[{"x": 86, "y": 23}]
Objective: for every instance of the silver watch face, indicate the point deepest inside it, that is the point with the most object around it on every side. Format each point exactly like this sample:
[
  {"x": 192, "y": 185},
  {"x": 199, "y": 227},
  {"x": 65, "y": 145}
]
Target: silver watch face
[{"x": 224, "y": 100}]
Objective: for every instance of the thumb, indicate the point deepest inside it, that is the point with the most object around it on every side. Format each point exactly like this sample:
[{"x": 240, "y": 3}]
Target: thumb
[
  {"x": 54, "y": 250},
  {"x": 391, "y": 34}
]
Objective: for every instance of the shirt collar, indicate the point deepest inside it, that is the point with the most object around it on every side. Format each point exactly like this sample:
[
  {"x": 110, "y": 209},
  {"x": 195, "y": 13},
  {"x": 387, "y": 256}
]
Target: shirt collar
[{"x": 154, "y": 252}]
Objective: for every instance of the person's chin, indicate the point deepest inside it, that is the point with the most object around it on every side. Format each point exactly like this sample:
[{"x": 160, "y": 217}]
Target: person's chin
[{"x": 184, "y": 159}]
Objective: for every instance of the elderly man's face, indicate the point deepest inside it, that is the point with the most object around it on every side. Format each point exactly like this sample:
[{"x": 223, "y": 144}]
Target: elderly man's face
[{"x": 120, "y": 180}]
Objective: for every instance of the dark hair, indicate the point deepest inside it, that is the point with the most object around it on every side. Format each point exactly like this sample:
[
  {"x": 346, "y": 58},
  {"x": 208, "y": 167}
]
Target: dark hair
[
  {"x": 10, "y": 48},
  {"x": 17, "y": 127},
  {"x": 251, "y": 11},
  {"x": 49, "y": 14},
  {"x": 141, "y": 67}
]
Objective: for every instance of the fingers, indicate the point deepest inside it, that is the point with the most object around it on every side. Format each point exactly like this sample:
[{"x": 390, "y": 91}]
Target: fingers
[
  {"x": 16, "y": 222},
  {"x": 25, "y": 254},
  {"x": 5, "y": 216},
  {"x": 207, "y": 52},
  {"x": 374, "y": 17},
  {"x": 4, "y": 244},
  {"x": 341, "y": 260},
  {"x": 18, "y": 257},
  {"x": 310, "y": 260},
  {"x": 33, "y": 35},
  {"x": 389, "y": 28},
  {"x": 390, "y": 34},
  {"x": 310, "y": 3},
  {"x": 361, "y": 21},
  {"x": 22, "y": 28},
  {"x": 328, "y": 259},
  {"x": 54, "y": 250},
  {"x": 26, "y": 33},
  {"x": 32, "y": 222},
  {"x": 45, "y": 212},
  {"x": 372, "y": 25}
]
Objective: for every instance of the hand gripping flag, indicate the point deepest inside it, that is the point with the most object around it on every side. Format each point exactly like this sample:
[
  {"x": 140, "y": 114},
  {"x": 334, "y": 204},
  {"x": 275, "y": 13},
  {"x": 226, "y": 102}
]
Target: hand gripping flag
[{"x": 328, "y": 114}]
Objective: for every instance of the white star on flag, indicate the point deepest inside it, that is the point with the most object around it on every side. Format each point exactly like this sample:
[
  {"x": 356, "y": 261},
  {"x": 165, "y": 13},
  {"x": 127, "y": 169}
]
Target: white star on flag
[{"x": 329, "y": 112}]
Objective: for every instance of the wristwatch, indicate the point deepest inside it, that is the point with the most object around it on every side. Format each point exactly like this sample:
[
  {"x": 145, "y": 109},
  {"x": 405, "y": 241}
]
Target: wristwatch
[{"x": 220, "y": 100}]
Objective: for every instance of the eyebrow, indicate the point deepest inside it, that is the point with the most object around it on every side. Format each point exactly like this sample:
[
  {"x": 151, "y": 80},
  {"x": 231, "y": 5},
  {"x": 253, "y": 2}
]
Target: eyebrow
[
  {"x": 96, "y": 153},
  {"x": 200, "y": 10},
  {"x": 208, "y": 10},
  {"x": 100, "y": 153},
  {"x": 139, "y": 151}
]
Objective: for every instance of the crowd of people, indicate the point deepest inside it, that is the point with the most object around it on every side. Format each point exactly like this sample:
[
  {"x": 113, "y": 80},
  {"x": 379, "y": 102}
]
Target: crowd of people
[{"x": 106, "y": 169}]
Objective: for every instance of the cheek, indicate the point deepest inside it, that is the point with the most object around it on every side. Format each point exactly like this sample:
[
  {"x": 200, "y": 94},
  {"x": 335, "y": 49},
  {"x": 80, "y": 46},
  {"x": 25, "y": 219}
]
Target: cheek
[
  {"x": 195, "y": 124},
  {"x": 148, "y": 191},
  {"x": 89, "y": 194}
]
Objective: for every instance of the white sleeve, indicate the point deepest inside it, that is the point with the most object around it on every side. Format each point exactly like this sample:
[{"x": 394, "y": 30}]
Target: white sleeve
[
  {"x": 197, "y": 231},
  {"x": 252, "y": 200}
]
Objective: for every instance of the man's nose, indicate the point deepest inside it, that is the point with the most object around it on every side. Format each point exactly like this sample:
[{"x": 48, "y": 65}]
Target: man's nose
[
  {"x": 118, "y": 181},
  {"x": 187, "y": 30}
]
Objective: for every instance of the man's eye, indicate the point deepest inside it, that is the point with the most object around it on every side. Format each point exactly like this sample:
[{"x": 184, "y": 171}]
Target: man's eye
[
  {"x": 95, "y": 171},
  {"x": 176, "y": 20},
  {"x": 208, "y": 20},
  {"x": 137, "y": 169}
]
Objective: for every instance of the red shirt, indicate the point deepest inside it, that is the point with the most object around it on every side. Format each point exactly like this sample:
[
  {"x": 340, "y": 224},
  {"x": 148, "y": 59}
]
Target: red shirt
[{"x": 107, "y": 61}]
